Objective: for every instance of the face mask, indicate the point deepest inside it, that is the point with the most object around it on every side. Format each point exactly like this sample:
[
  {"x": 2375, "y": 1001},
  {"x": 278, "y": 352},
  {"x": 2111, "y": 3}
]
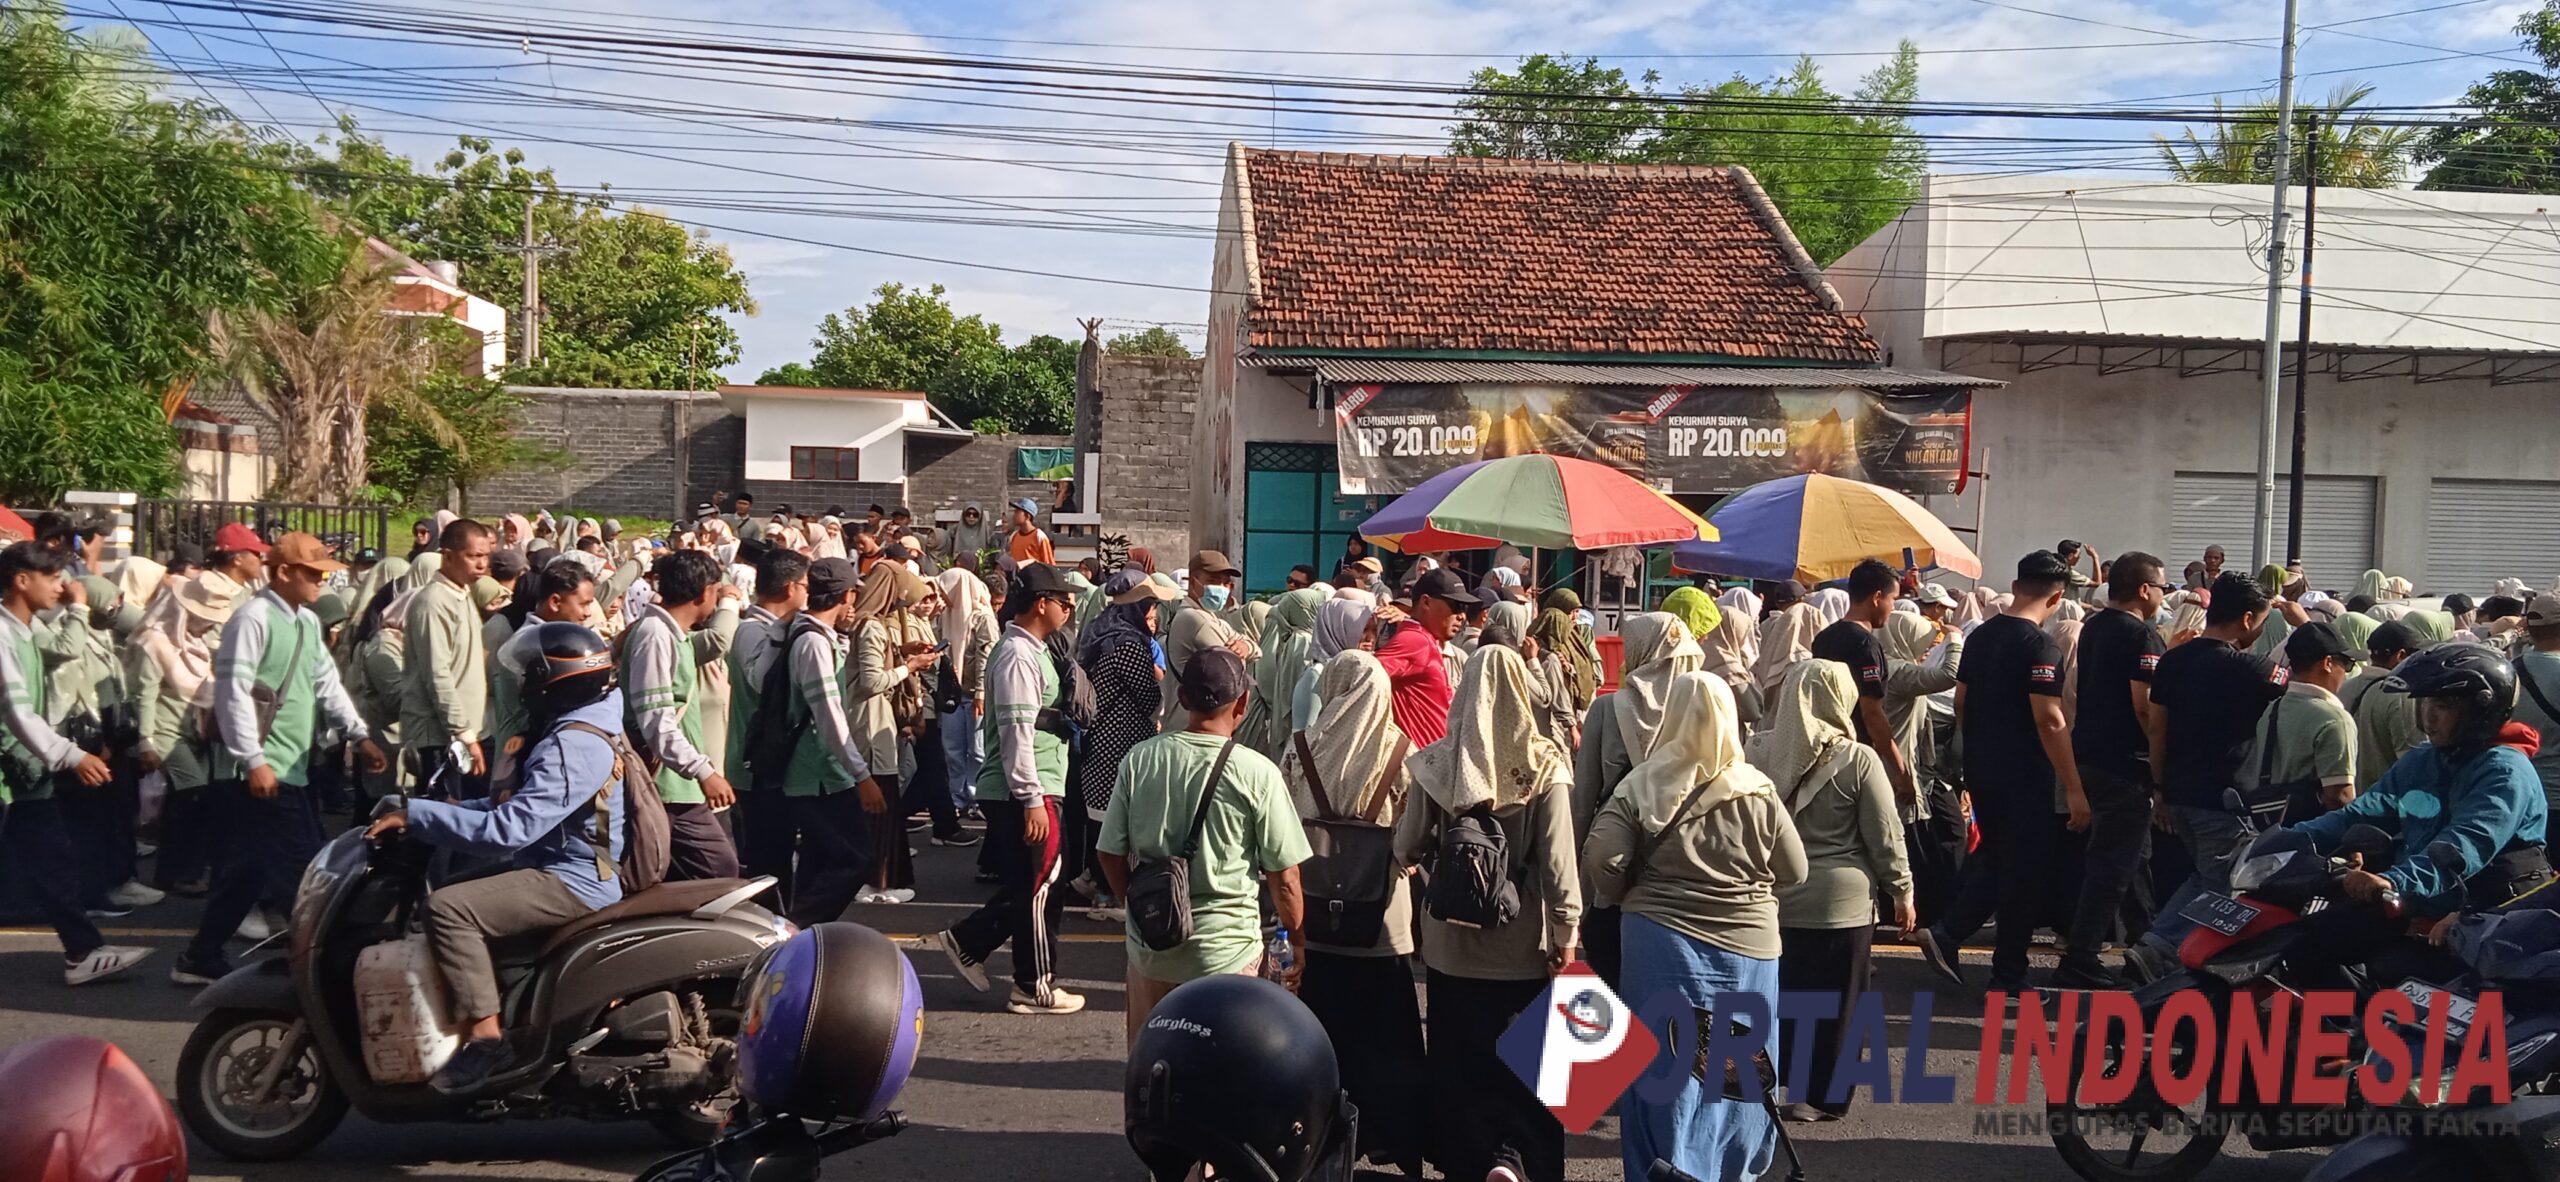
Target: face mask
[
  {"x": 1589, "y": 622},
  {"x": 1214, "y": 598}
]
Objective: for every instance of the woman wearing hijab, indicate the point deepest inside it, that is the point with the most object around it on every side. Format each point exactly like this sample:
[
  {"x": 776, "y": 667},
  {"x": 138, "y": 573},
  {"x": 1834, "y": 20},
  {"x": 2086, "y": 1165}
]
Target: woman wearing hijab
[
  {"x": 1509, "y": 624},
  {"x": 1342, "y": 624},
  {"x": 1124, "y": 660},
  {"x": 1832, "y": 602},
  {"x": 1921, "y": 660},
  {"x": 1786, "y": 640},
  {"x": 1693, "y": 846},
  {"x": 1620, "y": 730},
  {"x": 1288, "y": 635},
  {"x": 376, "y": 675},
  {"x": 169, "y": 665},
  {"x": 1835, "y": 789},
  {"x": 882, "y": 662},
  {"x": 2064, "y": 627},
  {"x": 1356, "y": 758},
  {"x": 1480, "y": 979},
  {"x": 969, "y": 629},
  {"x": 1728, "y": 652},
  {"x": 1695, "y": 610},
  {"x": 1559, "y": 632}
]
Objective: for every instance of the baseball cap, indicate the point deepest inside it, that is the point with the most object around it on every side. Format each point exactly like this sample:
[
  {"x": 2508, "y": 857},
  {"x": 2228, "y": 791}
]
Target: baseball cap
[
  {"x": 301, "y": 549},
  {"x": 2458, "y": 603},
  {"x": 234, "y": 536},
  {"x": 1132, "y": 585},
  {"x": 2543, "y": 611},
  {"x": 506, "y": 564},
  {"x": 1444, "y": 585},
  {"x": 1040, "y": 578},
  {"x": 1371, "y": 565},
  {"x": 2313, "y": 641},
  {"x": 704, "y": 510},
  {"x": 2043, "y": 566},
  {"x": 832, "y": 576},
  {"x": 2397, "y": 637},
  {"x": 1210, "y": 562},
  {"x": 1213, "y": 678},
  {"x": 1934, "y": 596},
  {"x": 1028, "y": 506}
]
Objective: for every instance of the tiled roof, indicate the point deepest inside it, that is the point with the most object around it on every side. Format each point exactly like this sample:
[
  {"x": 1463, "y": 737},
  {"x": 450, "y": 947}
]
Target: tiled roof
[{"x": 1413, "y": 253}]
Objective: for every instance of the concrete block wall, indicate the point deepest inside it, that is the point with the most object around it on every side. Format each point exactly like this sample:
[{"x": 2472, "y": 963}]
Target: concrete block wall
[
  {"x": 951, "y": 474},
  {"x": 1147, "y": 460},
  {"x": 647, "y": 453}
]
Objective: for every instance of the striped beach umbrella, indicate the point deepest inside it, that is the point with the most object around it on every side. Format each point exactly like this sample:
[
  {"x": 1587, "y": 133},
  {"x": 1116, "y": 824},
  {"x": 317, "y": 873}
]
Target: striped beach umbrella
[{"x": 1555, "y": 502}]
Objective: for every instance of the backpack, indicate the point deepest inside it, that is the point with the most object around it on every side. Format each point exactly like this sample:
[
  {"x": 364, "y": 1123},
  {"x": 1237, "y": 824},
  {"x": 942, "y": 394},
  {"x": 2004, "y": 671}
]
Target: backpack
[
  {"x": 647, "y": 842},
  {"x": 1350, "y": 874},
  {"x": 773, "y": 730},
  {"x": 1471, "y": 878},
  {"x": 1160, "y": 888}
]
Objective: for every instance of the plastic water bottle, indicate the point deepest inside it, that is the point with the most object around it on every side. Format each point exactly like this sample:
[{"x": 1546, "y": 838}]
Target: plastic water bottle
[{"x": 1283, "y": 958}]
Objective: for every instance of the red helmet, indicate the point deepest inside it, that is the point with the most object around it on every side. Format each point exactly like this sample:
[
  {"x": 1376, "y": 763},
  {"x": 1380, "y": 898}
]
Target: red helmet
[{"x": 84, "y": 1113}]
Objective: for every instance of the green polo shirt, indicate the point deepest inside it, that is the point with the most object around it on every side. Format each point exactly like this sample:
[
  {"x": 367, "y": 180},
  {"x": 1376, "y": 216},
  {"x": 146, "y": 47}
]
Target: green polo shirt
[
  {"x": 2314, "y": 739},
  {"x": 1252, "y": 830}
]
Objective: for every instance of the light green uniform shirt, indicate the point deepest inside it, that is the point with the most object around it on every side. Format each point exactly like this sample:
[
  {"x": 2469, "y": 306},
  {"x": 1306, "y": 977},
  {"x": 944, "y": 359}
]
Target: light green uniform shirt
[
  {"x": 82, "y": 675},
  {"x": 2543, "y": 670},
  {"x": 1252, "y": 830},
  {"x": 446, "y": 693},
  {"x": 2314, "y": 737},
  {"x": 2386, "y": 724}
]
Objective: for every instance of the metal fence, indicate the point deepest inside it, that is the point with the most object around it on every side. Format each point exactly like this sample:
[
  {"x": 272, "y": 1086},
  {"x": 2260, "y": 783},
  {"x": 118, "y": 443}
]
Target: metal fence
[{"x": 159, "y": 525}]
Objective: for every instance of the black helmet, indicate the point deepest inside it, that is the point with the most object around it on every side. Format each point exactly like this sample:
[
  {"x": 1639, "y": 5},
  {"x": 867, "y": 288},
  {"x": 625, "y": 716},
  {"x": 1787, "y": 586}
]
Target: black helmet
[
  {"x": 574, "y": 668},
  {"x": 1236, "y": 1072},
  {"x": 2471, "y": 673}
]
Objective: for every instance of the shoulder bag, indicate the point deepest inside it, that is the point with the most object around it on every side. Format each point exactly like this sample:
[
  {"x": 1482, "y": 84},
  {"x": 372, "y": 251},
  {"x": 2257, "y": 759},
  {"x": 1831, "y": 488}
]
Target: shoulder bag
[
  {"x": 1160, "y": 888},
  {"x": 1351, "y": 874}
]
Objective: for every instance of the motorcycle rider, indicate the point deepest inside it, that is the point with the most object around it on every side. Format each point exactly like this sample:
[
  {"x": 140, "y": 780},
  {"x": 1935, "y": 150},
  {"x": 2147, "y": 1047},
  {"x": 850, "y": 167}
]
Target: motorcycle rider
[
  {"x": 2469, "y": 785},
  {"x": 563, "y": 838}
]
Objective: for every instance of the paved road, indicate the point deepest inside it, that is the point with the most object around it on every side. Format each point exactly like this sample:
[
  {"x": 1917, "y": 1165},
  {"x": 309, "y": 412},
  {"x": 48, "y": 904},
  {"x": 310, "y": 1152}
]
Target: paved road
[{"x": 995, "y": 1095}]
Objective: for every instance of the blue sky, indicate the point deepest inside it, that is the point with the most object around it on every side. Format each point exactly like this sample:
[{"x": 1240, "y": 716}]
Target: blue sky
[{"x": 1136, "y": 180}]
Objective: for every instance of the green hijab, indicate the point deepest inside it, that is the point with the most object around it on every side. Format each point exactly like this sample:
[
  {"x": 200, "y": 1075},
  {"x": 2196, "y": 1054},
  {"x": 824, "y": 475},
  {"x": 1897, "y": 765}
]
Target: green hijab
[
  {"x": 2356, "y": 628},
  {"x": 1695, "y": 609},
  {"x": 1558, "y": 632},
  {"x": 1288, "y": 635}
]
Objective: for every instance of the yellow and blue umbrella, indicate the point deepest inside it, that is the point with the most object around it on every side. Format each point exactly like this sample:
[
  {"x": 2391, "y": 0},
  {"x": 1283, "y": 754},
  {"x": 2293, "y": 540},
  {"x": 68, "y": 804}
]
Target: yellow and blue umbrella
[{"x": 1815, "y": 528}]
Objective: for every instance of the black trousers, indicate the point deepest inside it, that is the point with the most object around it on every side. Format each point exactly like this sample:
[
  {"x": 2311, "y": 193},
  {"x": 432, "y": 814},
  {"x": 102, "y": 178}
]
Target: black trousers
[
  {"x": 1481, "y": 1112},
  {"x": 1600, "y": 945},
  {"x": 929, "y": 790},
  {"x": 185, "y": 852},
  {"x": 1027, "y": 903},
  {"x": 260, "y": 848},
  {"x": 2007, "y": 876},
  {"x": 698, "y": 846},
  {"x": 36, "y": 850},
  {"x": 2119, "y": 839},
  {"x": 101, "y": 822},
  {"x": 835, "y": 845},
  {"x": 1936, "y": 847},
  {"x": 891, "y": 867},
  {"x": 766, "y": 833},
  {"x": 1823, "y": 960},
  {"x": 1369, "y": 1008}
]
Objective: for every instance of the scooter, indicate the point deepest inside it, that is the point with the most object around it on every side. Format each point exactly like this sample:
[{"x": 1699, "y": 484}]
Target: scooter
[
  {"x": 626, "y": 1013},
  {"x": 781, "y": 1149},
  {"x": 2241, "y": 945}
]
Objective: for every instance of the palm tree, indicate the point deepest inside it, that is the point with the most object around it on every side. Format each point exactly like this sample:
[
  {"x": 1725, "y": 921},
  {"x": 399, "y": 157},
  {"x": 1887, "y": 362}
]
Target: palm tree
[{"x": 2355, "y": 152}]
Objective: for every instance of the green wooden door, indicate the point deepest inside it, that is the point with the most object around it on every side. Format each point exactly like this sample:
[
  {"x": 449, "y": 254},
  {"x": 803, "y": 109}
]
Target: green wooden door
[{"x": 1294, "y": 512}]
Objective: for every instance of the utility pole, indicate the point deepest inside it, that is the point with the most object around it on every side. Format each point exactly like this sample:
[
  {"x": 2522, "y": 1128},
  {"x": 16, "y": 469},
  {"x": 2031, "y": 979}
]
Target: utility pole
[
  {"x": 531, "y": 350},
  {"x": 2302, "y": 334},
  {"x": 2272, "y": 359}
]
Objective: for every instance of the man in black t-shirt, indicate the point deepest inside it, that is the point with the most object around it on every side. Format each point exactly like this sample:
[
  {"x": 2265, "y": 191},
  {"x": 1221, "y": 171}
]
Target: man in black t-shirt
[
  {"x": 2209, "y": 693},
  {"x": 1872, "y": 589},
  {"x": 2119, "y": 649},
  {"x": 2016, "y": 748}
]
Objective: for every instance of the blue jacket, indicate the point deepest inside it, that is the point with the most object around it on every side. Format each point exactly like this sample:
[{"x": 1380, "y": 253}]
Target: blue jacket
[
  {"x": 2485, "y": 804},
  {"x": 550, "y": 821}
]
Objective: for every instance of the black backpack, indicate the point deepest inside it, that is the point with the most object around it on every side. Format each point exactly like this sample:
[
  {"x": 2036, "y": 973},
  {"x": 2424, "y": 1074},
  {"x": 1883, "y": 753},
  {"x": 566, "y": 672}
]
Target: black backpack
[
  {"x": 773, "y": 731},
  {"x": 1351, "y": 873},
  {"x": 1472, "y": 881}
]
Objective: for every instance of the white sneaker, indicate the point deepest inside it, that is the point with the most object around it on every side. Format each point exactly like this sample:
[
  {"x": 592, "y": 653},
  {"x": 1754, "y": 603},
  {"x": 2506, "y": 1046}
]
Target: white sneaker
[
  {"x": 969, "y": 971},
  {"x": 900, "y": 895},
  {"x": 103, "y": 962},
  {"x": 1107, "y": 914},
  {"x": 1501, "y": 1174},
  {"x": 134, "y": 894},
  {"x": 870, "y": 895},
  {"x": 1060, "y": 1002},
  {"x": 256, "y": 929}
]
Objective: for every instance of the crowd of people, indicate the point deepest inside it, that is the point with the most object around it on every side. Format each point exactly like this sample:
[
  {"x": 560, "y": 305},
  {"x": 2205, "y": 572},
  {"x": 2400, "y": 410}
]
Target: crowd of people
[{"x": 1324, "y": 786}]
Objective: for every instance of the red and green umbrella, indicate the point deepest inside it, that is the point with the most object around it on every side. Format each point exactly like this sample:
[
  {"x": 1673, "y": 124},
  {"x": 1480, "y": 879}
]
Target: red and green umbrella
[{"x": 1555, "y": 502}]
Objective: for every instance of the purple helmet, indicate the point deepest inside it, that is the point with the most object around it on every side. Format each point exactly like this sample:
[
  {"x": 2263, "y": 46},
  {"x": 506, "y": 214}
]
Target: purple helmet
[{"x": 833, "y": 1019}]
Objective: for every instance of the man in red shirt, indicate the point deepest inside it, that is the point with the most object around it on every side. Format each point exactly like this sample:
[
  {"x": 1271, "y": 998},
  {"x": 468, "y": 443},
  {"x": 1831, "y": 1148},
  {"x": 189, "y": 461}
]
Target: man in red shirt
[{"x": 1411, "y": 651}]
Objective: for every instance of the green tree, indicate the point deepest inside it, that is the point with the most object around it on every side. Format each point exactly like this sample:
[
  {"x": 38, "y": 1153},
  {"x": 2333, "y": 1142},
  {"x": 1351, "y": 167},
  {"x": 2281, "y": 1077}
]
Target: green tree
[
  {"x": 2354, "y": 152},
  {"x": 1838, "y": 168},
  {"x": 129, "y": 228},
  {"x": 792, "y": 374},
  {"x": 1554, "y": 108},
  {"x": 2511, "y": 144},
  {"x": 912, "y": 339},
  {"x": 447, "y": 432},
  {"x": 1152, "y": 341}
]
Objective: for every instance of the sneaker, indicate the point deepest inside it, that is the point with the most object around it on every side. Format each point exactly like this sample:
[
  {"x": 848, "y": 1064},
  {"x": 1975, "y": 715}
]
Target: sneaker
[
  {"x": 873, "y": 895},
  {"x": 144, "y": 849},
  {"x": 108, "y": 910},
  {"x": 2089, "y": 974},
  {"x": 1502, "y": 1173},
  {"x": 256, "y": 929},
  {"x": 1060, "y": 1002},
  {"x": 134, "y": 894},
  {"x": 1940, "y": 958},
  {"x": 472, "y": 1066},
  {"x": 919, "y": 825},
  {"x": 102, "y": 962},
  {"x": 190, "y": 971},
  {"x": 901, "y": 895},
  {"x": 969, "y": 970},
  {"x": 1805, "y": 1114},
  {"x": 2144, "y": 964},
  {"x": 962, "y": 839},
  {"x": 1107, "y": 913}
]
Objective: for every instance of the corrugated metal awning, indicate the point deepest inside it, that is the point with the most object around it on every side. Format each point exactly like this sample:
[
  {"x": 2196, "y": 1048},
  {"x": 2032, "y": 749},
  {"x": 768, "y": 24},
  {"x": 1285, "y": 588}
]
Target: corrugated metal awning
[{"x": 1358, "y": 370}]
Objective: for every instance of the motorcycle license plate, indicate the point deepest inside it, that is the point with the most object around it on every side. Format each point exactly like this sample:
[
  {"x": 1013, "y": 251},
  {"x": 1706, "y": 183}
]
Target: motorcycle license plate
[
  {"x": 2221, "y": 913},
  {"x": 2458, "y": 1010}
]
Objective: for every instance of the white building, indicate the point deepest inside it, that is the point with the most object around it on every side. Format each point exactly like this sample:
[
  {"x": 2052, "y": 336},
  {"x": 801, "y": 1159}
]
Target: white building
[
  {"x": 2125, "y": 316},
  {"x": 804, "y": 434}
]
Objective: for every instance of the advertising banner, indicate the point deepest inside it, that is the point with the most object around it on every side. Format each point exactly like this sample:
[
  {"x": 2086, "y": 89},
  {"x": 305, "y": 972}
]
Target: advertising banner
[{"x": 1681, "y": 439}]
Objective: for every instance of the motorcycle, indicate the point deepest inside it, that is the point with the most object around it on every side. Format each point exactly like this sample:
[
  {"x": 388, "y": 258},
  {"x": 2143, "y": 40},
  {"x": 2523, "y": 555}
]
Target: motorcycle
[
  {"x": 626, "y": 1013},
  {"x": 778, "y": 1150},
  {"x": 2240, "y": 946}
]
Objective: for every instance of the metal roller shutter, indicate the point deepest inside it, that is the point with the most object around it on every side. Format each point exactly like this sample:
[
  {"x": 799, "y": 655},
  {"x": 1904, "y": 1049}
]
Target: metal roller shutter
[
  {"x": 2220, "y": 509},
  {"x": 2481, "y": 531}
]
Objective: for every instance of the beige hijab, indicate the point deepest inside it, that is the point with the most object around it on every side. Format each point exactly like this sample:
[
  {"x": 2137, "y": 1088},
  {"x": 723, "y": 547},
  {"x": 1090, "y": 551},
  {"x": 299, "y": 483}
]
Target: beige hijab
[
  {"x": 1658, "y": 649},
  {"x": 1352, "y": 740},
  {"x": 1786, "y": 640},
  {"x": 1702, "y": 744},
  {"x": 1908, "y": 636},
  {"x": 138, "y": 580},
  {"x": 1729, "y": 651},
  {"x": 1808, "y": 727},
  {"x": 1495, "y": 751}
]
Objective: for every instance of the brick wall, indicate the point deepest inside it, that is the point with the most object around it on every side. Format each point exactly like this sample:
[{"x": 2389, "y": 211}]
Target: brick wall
[
  {"x": 1147, "y": 460},
  {"x": 622, "y": 454},
  {"x": 950, "y": 473}
]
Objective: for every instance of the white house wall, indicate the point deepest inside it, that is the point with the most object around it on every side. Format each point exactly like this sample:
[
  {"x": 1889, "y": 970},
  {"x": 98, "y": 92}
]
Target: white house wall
[
  {"x": 2075, "y": 453},
  {"x": 776, "y": 424}
]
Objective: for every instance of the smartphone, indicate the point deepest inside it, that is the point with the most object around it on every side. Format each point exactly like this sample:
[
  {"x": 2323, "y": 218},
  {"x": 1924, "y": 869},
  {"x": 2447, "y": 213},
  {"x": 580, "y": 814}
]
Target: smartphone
[{"x": 943, "y": 647}]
